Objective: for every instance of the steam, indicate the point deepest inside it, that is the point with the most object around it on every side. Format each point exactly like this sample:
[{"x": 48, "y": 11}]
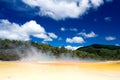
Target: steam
[
  {"x": 33, "y": 54},
  {"x": 29, "y": 54}
]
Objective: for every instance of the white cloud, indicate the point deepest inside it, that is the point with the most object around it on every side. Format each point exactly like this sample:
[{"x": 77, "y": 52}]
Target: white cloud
[
  {"x": 62, "y": 29},
  {"x": 96, "y": 3},
  {"x": 32, "y": 27},
  {"x": 47, "y": 39},
  {"x": 73, "y": 29},
  {"x": 69, "y": 47},
  {"x": 89, "y": 35},
  {"x": 15, "y": 31},
  {"x": 61, "y": 9},
  {"x": 68, "y": 29},
  {"x": 110, "y": 38},
  {"x": 43, "y": 36},
  {"x": 75, "y": 40},
  {"x": 52, "y": 35},
  {"x": 107, "y": 18}
]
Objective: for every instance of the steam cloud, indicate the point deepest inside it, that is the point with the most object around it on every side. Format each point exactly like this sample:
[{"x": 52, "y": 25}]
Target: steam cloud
[{"x": 33, "y": 54}]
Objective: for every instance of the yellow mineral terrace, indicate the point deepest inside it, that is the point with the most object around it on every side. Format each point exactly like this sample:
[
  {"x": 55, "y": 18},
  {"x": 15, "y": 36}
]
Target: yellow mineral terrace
[{"x": 60, "y": 70}]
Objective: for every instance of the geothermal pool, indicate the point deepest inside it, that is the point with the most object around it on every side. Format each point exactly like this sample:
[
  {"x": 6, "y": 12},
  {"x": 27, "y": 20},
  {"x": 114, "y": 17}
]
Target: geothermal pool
[{"x": 59, "y": 70}]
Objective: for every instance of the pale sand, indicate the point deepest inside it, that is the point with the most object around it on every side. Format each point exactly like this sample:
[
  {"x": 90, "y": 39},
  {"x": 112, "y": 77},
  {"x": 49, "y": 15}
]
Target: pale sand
[{"x": 59, "y": 71}]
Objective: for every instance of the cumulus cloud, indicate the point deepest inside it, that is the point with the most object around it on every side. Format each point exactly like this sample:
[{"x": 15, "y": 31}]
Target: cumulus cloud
[
  {"x": 52, "y": 35},
  {"x": 75, "y": 40},
  {"x": 96, "y": 3},
  {"x": 110, "y": 38},
  {"x": 61, "y": 9},
  {"x": 89, "y": 35},
  {"x": 23, "y": 32},
  {"x": 69, "y": 47},
  {"x": 45, "y": 37}
]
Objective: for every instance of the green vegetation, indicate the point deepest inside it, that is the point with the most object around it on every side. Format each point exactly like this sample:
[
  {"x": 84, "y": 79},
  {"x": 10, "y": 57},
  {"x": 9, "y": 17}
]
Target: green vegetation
[
  {"x": 11, "y": 50},
  {"x": 102, "y": 52}
]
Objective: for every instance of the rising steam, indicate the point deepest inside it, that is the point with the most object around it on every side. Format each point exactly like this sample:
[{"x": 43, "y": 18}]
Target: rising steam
[{"x": 33, "y": 54}]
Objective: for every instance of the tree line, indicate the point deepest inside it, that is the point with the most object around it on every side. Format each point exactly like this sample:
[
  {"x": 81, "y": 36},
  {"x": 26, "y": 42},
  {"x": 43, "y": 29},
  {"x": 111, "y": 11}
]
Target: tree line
[{"x": 9, "y": 50}]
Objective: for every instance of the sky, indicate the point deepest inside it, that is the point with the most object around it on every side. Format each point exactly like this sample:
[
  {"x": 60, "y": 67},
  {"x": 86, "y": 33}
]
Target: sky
[{"x": 69, "y": 23}]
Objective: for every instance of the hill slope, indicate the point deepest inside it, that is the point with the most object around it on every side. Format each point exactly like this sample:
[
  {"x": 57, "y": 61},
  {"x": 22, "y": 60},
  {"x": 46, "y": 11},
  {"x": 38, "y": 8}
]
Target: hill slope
[
  {"x": 11, "y": 50},
  {"x": 99, "y": 46},
  {"x": 101, "y": 51}
]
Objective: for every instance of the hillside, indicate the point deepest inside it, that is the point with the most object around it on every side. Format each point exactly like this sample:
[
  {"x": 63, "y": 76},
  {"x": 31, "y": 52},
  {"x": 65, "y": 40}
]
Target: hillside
[
  {"x": 101, "y": 51},
  {"x": 12, "y": 50},
  {"x": 100, "y": 46}
]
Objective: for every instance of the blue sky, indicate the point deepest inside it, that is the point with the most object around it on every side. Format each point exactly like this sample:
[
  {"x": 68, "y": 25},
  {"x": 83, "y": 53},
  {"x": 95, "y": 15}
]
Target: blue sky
[{"x": 69, "y": 23}]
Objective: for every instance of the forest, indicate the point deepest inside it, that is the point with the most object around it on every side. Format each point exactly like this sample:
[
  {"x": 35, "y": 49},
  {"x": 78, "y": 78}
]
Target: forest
[{"x": 12, "y": 50}]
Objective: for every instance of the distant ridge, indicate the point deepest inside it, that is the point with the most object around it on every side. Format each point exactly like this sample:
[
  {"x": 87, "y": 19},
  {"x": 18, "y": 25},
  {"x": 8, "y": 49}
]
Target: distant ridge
[
  {"x": 102, "y": 51},
  {"x": 99, "y": 46}
]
